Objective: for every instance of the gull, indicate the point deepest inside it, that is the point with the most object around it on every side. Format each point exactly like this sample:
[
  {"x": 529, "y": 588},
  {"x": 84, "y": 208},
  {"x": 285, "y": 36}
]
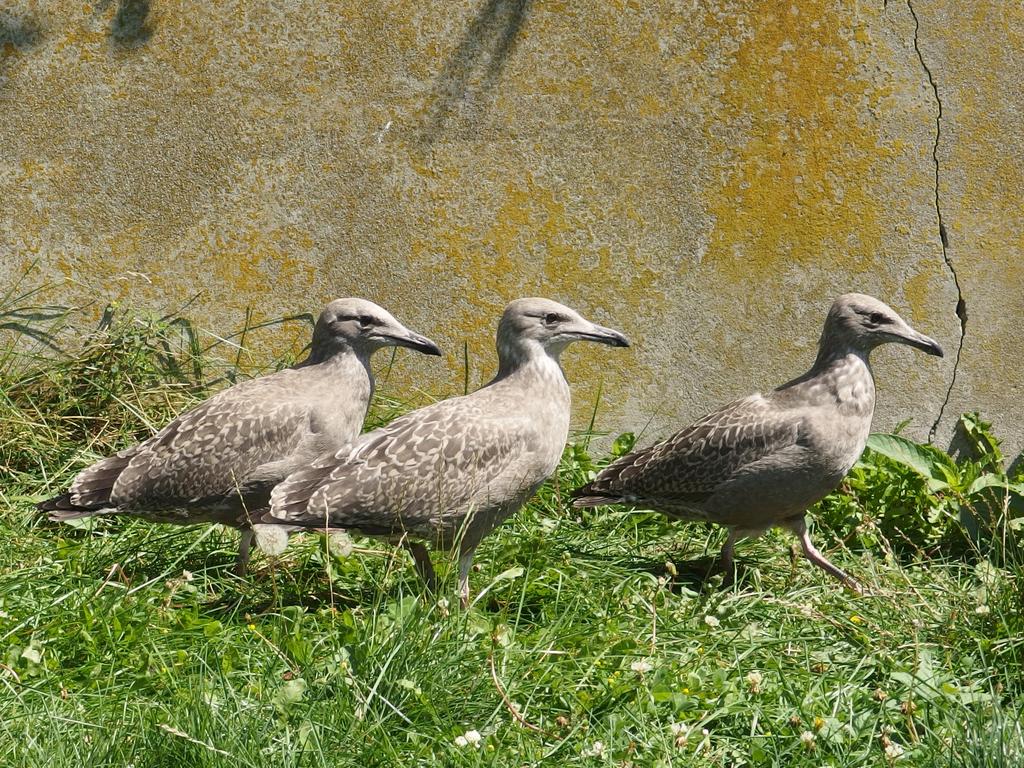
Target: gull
[
  {"x": 760, "y": 462},
  {"x": 218, "y": 461}
]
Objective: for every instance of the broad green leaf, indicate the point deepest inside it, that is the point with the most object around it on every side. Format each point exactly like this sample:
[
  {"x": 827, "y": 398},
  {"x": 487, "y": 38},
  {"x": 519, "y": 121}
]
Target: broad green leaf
[
  {"x": 510, "y": 573},
  {"x": 992, "y": 481},
  {"x": 924, "y": 460},
  {"x": 291, "y": 692}
]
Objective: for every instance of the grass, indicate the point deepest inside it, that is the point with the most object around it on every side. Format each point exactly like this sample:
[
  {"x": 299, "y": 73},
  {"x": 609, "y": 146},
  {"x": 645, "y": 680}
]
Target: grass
[{"x": 594, "y": 638}]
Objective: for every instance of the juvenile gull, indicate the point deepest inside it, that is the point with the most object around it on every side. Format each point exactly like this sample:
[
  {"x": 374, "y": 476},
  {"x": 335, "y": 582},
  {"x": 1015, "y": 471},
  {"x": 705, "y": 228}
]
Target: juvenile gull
[
  {"x": 448, "y": 474},
  {"x": 760, "y": 462},
  {"x": 218, "y": 461}
]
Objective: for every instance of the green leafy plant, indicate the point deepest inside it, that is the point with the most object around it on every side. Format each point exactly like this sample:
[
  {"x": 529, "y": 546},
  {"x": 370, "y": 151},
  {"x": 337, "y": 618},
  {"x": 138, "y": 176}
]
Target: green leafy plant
[{"x": 915, "y": 495}]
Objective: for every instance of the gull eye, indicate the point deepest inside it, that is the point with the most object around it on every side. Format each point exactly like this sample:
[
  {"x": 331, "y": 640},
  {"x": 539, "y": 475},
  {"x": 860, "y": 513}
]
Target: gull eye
[
  {"x": 551, "y": 318},
  {"x": 878, "y": 318},
  {"x": 365, "y": 321}
]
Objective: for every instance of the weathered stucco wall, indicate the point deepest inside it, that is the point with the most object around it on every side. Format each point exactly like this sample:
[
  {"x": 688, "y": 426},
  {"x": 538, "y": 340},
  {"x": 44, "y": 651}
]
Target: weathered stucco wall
[{"x": 705, "y": 176}]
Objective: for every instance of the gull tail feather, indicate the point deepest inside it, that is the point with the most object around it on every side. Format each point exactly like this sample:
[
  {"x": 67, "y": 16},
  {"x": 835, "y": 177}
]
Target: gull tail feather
[
  {"x": 62, "y": 508},
  {"x": 588, "y": 498},
  {"x": 289, "y": 497}
]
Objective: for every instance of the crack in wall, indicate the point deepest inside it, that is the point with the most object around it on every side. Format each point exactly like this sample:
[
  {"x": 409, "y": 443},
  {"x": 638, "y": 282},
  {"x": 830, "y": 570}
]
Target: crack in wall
[{"x": 961, "y": 304}]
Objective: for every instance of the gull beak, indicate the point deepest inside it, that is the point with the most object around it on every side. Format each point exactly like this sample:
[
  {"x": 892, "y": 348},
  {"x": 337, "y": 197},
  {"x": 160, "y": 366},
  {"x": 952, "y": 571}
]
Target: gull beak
[
  {"x": 602, "y": 335},
  {"x": 918, "y": 340},
  {"x": 406, "y": 338}
]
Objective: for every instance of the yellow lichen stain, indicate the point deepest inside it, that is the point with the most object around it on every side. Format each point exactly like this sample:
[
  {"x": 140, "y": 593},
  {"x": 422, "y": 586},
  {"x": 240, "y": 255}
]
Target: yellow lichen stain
[
  {"x": 88, "y": 36},
  {"x": 924, "y": 291},
  {"x": 64, "y": 266},
  {"x": 650, "y": 105},
  {"x": 798, "y": 157},
  {"x": 582, "y": 87},
  {"x": 126, "y": 244},
  {"x": 30, "y": 168},
  {"x": 991, "y": 245},
  {"x": 527, "y": 209},
  {"x": 539, "y": 241},
  {"x": 250, "y": 259}
]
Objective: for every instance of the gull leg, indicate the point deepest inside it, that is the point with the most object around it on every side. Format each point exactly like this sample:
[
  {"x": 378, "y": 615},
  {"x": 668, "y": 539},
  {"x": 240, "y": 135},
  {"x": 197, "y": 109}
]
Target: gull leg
[
  {"x": 465, "y": 563},
  {"x": 244, "y": 550},
  {"x": 424, "y": 567},
  {"x": 799, "y": 527},
  {"x": 726, "y": 558}
]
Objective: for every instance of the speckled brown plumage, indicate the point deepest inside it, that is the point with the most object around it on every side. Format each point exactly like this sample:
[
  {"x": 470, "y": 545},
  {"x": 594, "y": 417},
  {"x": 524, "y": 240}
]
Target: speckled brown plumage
[
  {"x": 450, "y": 473},
  {"x": 761, "y": 461},
  {"x": 218, "y": 461}
]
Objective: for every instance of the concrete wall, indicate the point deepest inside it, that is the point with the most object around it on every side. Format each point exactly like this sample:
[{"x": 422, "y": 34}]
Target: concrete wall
[{"x": 705, "y": 176}]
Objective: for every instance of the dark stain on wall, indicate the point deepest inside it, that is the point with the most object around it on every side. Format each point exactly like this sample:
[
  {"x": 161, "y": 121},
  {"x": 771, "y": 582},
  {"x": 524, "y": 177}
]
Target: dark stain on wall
[
  {"x": 132, "y": 25},
  {"x": 17, "y": 34},
  {"x": 474, "y": 67}
]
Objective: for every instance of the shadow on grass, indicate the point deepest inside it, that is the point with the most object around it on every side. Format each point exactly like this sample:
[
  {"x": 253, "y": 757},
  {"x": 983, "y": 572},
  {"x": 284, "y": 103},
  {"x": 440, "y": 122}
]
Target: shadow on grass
[
  {"x": 307, "y": 587},
  {"x": 697, "y": 574},
  {"x": 701, "y": 574}
]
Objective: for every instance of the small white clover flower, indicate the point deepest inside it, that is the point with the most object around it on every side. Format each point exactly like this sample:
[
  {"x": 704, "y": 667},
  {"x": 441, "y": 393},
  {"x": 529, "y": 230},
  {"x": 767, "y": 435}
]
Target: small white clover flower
[
  {"x": 595, "y": 750},
  {"x": 640, "y": 666},
  {"x": 681, "y": 732},
  {"x": 893, "y": 751},
  {"x": 807, "y": 739},
  {"x": 711, "y": 621},
  {"x": 754, "y": 680},
  {"x": 982, "y": 610},
  {"x": 471, "y": 738}
]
